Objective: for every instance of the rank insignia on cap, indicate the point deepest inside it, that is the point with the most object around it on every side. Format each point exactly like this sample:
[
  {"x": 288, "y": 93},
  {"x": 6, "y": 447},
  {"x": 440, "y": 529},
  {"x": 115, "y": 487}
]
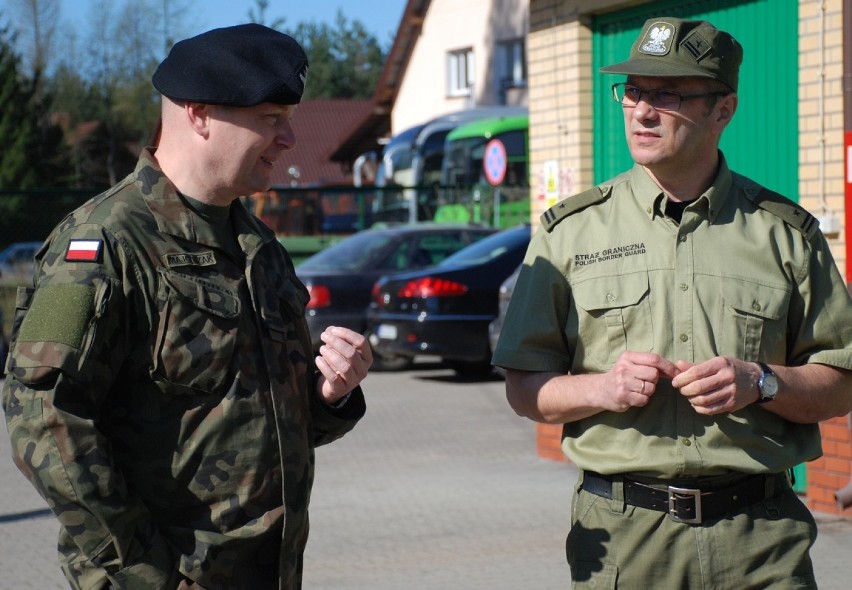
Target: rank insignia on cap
[{"x": 84, "y": 251}]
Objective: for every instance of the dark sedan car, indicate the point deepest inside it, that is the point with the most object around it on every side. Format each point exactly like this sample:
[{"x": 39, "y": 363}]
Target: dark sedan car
[
  {"x": 340, "y": 278},
  {"x": 445, "y": 310}
]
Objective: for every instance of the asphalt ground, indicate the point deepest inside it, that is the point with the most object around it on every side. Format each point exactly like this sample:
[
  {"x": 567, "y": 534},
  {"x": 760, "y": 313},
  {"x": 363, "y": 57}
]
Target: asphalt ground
[{"x": 439, "y": 487}]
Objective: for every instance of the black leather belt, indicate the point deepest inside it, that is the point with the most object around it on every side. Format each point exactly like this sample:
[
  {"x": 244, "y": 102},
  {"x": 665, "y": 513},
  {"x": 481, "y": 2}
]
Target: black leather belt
[{"x": 691, "y": 505}]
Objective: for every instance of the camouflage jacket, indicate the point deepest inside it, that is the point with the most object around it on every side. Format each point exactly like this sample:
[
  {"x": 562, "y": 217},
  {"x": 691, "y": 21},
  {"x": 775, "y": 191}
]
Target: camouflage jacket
[{"x": 161, "y": 396}]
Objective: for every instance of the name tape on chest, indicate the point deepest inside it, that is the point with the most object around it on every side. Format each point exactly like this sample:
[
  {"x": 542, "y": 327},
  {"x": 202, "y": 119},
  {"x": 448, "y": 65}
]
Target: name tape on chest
[
  {"x": 190, "y": 259},
  {"x": 84, "y": 251}
]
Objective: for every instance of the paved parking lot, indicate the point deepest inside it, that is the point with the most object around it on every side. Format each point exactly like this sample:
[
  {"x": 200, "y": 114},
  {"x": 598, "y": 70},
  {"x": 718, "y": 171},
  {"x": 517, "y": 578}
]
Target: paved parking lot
[{"x": 439, "y": 487}]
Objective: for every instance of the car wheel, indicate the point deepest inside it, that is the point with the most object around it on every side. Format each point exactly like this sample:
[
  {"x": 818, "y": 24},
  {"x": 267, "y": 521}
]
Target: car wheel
[{"x": 387, "y": 362}]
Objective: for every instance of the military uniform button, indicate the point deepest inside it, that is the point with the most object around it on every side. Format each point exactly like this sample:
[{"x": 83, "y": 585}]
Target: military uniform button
[
  {"x": 684, "y": 337},
  {"x": 686, "y": 442},
  {"x": 684, "y": 287}
]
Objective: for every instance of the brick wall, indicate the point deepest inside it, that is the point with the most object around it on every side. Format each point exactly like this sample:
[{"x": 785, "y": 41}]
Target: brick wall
[
  {"x": 833, "y": 470},
  {"x": 560, "y": 70},
  {"x": 821, "y": 166},
  {"x": 821, "y": 191}
]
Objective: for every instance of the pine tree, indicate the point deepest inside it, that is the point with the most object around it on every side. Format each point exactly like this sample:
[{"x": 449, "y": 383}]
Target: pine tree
[{"x": 34, "y": 153}]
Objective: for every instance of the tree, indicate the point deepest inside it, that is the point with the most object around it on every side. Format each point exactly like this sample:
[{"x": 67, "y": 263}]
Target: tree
[
  {"x": 106, "y": 91},
  {"x": 37, "y": 20},
  {"x": 100, "y": 75},
  {"x": 345, "y": 61},
  {"x": 259, "y": 17},
  {"x": 33, "y": 151}
]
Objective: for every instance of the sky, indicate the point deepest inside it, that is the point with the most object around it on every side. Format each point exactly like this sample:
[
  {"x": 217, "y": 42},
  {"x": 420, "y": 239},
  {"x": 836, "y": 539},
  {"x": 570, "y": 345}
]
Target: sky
[{"x": 380, "y": 17}]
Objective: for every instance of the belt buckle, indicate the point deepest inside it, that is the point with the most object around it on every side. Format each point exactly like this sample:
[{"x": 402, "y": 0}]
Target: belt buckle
[{"x": 689, "y": 492}]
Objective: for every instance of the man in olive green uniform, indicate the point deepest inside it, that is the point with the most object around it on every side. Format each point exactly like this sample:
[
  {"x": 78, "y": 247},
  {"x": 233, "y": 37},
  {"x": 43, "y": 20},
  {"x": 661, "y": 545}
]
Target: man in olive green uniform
[
  {"x": 162, "y": 394},
  {"x": 689, "y": 328}
]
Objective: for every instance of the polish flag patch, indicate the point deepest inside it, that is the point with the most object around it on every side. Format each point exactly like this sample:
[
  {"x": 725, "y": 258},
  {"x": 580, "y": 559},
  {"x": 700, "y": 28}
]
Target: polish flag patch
[{"x": 84, "y": 251}]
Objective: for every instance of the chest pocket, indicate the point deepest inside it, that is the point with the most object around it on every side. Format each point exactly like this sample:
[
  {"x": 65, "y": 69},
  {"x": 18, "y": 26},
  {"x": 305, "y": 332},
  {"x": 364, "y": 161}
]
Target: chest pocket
[
  {"x": 752, "y": 320},
  {"x": 613, "y": 315},
  {"x": 197, "y": 334}
]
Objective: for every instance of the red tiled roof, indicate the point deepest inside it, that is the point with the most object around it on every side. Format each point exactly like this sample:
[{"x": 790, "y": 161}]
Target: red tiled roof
[{"x": 320, "y": 126}]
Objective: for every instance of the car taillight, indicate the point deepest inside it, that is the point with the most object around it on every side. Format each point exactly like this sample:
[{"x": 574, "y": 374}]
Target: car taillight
[
  {"x": 432, "y": 287},
  {"x": 320, "y": 296}
]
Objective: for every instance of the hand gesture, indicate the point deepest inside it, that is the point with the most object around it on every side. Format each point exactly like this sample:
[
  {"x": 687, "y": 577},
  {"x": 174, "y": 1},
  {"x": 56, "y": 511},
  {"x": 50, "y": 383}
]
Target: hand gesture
[
  {"x": 634, "y": 377},
  {"x": 721, "y": 384},
  {"x": 344, "y": 359}
]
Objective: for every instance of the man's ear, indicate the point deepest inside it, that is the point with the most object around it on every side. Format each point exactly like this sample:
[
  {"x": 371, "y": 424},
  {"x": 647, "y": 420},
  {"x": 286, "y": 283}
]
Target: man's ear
[
  {"x": 727, "y": 108},
  {"x": 198, "y": 115}
]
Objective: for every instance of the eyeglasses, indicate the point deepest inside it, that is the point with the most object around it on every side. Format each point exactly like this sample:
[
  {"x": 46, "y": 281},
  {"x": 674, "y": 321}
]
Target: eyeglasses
[{"x": 662, "y": 100}]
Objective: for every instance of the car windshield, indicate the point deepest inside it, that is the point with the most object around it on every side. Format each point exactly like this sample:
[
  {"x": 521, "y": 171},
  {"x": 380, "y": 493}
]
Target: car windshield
[
  {"x": 352, "y": 253},
  {"x": 489, "y": 248}
]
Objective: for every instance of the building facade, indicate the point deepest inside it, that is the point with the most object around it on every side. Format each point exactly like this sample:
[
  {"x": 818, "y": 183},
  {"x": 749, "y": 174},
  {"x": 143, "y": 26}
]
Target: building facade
[{"x": 467, "y": 54}]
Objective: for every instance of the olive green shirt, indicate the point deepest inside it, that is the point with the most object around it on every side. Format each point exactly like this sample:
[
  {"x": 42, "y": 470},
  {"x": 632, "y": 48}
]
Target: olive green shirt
[{"x": 613, "y": 273}]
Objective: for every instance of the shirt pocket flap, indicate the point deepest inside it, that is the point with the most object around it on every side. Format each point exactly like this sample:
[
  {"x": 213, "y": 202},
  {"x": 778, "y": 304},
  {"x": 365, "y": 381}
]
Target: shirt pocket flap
[
  {"x": 203, "y": 294},
  {"x": 766, "y": 301},
  {"x": 611, "y": 292}
]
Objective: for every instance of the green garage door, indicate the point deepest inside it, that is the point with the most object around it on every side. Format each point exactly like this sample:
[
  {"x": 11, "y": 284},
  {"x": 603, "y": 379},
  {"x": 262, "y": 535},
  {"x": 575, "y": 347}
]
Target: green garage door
[{"x": 762, "y": 140}]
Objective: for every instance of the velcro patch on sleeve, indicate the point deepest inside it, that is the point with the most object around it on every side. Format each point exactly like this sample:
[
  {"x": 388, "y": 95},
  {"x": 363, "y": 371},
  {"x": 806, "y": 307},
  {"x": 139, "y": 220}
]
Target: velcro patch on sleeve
[
  {"x": 84, "y": 251},
  {"x": 59, "y": 313}
]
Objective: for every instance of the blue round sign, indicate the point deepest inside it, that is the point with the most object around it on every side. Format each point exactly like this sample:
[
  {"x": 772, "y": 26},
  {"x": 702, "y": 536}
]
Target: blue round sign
[{"x": 494, "y": 162}]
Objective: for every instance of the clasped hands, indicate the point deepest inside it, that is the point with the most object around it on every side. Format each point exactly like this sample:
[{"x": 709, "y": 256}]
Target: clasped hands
[{"x": 719, "y": 385}]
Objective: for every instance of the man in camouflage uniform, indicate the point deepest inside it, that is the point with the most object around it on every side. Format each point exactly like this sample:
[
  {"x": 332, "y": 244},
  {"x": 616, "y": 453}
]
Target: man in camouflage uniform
[
  {"x": 161, "y": 391},
  {"x": 690, "y": 329}
]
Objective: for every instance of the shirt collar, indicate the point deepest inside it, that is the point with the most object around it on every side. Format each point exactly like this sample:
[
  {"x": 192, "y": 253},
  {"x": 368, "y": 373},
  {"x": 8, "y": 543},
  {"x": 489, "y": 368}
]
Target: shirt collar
[
  {"x": 175, "y": 218},
  {"x": 652, "y": 198}
]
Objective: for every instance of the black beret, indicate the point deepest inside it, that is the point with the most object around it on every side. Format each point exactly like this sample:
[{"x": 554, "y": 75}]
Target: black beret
[{"x": 239, "y": 66}]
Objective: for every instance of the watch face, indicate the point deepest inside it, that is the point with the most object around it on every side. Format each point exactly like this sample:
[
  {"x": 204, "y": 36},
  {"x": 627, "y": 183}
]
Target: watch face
[{"x": 770, "y": 386}]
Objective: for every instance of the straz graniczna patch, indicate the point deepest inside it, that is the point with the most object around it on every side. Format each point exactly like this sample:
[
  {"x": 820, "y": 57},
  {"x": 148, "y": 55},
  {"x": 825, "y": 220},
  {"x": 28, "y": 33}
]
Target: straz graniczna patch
[
  {"x": 190, "y": 259},
  {"x": 609, "y": 254}
]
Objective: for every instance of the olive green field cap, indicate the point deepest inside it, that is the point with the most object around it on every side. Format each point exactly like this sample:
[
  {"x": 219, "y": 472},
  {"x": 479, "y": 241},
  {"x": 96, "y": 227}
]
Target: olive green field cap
[{"x": 672, "y": 47}]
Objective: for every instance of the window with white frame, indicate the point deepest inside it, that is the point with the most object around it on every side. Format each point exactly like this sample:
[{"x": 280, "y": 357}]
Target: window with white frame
[
  {"x": 512, "y": 63},
  {"x": 460, "y": 72}
]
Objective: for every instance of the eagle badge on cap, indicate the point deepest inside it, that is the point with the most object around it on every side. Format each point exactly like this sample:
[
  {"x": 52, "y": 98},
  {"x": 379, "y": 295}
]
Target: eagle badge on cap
[{"x": 655, "y": 41}]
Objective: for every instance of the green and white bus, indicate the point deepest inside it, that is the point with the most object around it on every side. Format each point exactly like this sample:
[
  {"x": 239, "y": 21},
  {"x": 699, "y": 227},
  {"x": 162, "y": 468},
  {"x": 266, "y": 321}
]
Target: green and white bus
[{"x": 467, "y": 191}]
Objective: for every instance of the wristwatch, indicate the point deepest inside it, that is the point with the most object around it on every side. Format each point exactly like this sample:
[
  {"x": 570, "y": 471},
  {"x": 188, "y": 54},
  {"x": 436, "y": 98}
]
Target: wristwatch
[{"x": 767, "y": 384}]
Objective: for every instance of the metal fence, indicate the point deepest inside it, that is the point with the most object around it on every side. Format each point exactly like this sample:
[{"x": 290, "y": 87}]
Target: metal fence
[{"x": 29, "y": 215}]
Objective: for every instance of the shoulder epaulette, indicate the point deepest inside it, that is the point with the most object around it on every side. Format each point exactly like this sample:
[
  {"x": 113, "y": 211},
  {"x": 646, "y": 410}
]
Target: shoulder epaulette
[
  {"x": 565, "y": 207},
  {"x": 791, "y": 213}
]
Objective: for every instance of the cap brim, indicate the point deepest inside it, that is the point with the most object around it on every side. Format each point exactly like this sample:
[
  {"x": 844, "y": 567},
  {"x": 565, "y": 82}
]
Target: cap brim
[{"x": 655, "y": 68}]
